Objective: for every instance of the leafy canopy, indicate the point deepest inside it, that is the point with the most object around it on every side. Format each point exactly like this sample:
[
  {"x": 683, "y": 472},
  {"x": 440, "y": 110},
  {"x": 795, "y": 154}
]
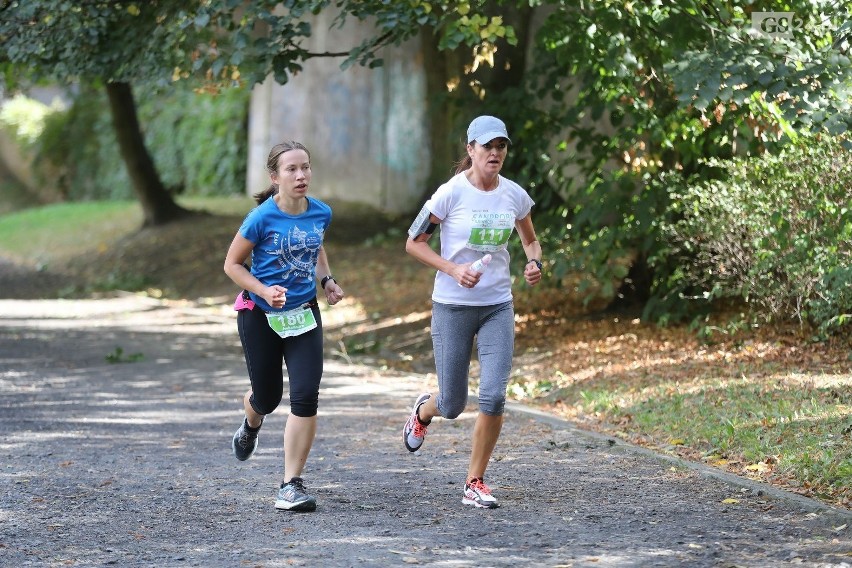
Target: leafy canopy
[
  {"x": 623, "y": 93},
  {"x": 221, "y": 42}
]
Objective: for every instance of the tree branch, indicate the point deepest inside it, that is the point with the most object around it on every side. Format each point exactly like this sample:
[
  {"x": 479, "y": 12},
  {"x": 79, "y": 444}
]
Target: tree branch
[
  {"x": 327, "y": 54},
  {"x": 377, "y": 43}
]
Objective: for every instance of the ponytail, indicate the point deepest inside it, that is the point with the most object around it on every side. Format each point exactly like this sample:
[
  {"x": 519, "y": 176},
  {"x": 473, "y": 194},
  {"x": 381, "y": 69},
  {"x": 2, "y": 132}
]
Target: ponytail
[
  {"x": 262, "y": 196},
  {"x": 463, "y": 164}
]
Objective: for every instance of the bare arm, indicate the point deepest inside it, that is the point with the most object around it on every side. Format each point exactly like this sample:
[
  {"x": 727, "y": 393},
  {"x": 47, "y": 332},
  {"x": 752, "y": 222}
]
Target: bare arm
[
  {"x": 333, "y": 291},
  {"x": 419, "y": 248},
  {"x": 532, "y": 248},
  {"x": 238, "y": 252}
]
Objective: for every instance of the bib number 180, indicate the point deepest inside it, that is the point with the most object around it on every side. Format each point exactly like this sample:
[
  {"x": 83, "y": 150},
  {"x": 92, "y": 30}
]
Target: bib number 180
[{"x": 295, "y": 322}]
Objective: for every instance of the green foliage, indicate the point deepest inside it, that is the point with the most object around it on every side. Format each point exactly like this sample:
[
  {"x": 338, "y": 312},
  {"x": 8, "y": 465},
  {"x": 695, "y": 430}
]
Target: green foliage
[
  {"x": 608, "y": 124},
  {"x": 112, "y": 40},
  {"x": 453, "y": 24},
  {"x": 616, "y": 118},
  {"x": 118, "y": 356},
  {"x": 220, "y": 41},
  {"x": 623, "y": 100},
  {"x": 197, "y": 140},
  {"x": 803, "y": 77},
  {"x": 25, "y": 118},
  {"x": 774, "y": 232}
]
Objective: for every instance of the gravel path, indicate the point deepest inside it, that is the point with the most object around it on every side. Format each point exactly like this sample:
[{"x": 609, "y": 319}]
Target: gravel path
[{"x": 129, "y": 464}]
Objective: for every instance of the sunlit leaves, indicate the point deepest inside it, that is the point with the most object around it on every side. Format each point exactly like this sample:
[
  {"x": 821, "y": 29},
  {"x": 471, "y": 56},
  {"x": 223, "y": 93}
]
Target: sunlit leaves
[
  {"x": 657, "y": 88},
  {"x": 784, "y": 252},
  {"x": 218, "y": 41},
  {"x": 807, "y": 73}
]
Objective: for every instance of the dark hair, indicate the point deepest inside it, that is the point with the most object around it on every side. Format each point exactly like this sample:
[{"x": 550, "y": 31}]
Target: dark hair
[
  {"x": 272, "y": 166},
  {"x": 464, "y": 162}
]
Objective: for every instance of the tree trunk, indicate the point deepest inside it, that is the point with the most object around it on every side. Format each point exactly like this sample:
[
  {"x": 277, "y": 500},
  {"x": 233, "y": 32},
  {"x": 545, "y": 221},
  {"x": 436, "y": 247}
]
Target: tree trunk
[
  {"x": 444, "y": 111},
  {"x": 450, "y": 112},
  {"x": 635, "y": 289},
  {"x": 510, "y": 62},
  {"x": 158, "y": 207}
]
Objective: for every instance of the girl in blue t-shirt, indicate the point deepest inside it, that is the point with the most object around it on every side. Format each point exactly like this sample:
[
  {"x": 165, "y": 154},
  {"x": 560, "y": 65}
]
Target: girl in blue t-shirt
[{"x": 278, "y": 316}]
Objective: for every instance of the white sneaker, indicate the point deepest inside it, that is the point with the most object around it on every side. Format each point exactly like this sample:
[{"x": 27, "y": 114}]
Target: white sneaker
[
  {"x": 478, "y": 494},
  {"x": 414, "y": 431}
]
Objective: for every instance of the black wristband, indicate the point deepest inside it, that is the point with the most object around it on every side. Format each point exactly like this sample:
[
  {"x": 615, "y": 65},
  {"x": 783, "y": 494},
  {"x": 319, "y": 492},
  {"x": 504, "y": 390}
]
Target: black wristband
[
  {"x": 536, "y": 261},
  {"x": 325, "y": 280}
]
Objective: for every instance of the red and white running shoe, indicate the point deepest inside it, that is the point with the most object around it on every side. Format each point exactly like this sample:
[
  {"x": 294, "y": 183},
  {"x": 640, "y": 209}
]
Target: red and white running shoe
[
  {"x": 414, "y": 431},
  {"x": 478, "y": 494}
]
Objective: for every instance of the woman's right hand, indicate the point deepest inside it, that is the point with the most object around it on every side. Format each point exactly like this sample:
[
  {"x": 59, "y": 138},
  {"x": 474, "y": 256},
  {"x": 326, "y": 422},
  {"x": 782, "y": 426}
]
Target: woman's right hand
[
  {"x": 275, "y": 296},
  {"x": 464, "y": 276}
]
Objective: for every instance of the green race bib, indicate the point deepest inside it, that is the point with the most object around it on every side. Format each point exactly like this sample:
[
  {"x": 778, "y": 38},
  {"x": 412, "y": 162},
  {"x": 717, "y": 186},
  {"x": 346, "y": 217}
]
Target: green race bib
[
  {"x": 291, "y": 323},
  {"x": 488, "y": 239}
]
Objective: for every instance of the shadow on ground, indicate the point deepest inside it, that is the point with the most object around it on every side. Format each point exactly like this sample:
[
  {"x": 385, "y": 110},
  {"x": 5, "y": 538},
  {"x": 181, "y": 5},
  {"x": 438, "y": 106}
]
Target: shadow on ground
[{"x": 129, "y": 464}]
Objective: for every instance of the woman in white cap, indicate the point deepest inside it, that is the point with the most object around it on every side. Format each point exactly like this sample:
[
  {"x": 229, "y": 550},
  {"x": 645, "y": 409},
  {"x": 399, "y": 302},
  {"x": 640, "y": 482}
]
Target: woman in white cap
[{"x": 477, "y": 210}]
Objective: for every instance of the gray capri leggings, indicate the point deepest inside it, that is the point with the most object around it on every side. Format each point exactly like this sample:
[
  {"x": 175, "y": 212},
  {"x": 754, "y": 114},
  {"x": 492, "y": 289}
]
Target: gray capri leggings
[{"x": 453, "y": 330}]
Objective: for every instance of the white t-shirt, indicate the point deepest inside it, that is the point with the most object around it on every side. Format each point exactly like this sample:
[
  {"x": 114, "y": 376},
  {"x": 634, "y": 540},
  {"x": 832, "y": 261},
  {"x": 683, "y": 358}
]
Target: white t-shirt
[{"x": 473, "y": 223}]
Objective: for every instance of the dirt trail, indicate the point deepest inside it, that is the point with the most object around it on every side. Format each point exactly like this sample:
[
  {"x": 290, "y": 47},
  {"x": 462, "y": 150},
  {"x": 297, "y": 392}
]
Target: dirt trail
[{"x": 129, "y": 464}]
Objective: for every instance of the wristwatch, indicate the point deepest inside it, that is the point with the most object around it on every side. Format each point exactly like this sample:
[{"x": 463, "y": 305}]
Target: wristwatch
[
  {"x": 325, "y": 280},
  {"x": 536, "y": 261}
]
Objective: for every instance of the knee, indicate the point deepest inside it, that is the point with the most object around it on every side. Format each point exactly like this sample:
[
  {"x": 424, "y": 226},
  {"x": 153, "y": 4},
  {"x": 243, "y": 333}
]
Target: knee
[
  {"x": 492, "y": 406},
  {"x": 303, "y": 410},
  {"x": 304, "y": 406},
  {"x": 451, "y": 409},
  {"x": 265, "y": 406}
]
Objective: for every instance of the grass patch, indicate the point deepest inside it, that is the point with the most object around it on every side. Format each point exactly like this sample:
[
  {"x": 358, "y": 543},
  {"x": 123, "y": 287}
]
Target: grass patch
[
  {"x": 767, "y": 426},
  {"x": 46, "y": 234},
  {"x": 764, "y": 410},
  {"x": 232, "y": 205}
]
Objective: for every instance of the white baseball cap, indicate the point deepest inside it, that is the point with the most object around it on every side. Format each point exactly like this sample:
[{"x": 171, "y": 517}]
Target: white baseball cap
[{"x": 486, "y": 128}]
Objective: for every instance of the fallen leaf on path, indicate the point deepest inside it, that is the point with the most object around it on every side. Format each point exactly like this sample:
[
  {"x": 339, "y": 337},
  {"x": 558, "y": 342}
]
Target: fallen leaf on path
[{"x": 760, "y": 467}]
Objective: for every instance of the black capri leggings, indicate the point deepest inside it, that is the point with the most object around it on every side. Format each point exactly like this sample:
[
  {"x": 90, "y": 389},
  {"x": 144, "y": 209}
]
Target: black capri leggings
[{"x": 266, "y": 353}]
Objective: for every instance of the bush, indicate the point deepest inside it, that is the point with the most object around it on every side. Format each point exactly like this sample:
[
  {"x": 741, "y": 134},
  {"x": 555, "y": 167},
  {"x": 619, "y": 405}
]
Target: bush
[
  {"x": 22, "y": 124},
  {"x": 24, "y": 118},
  {"x": 197, "y": 141},
  {"x": 775, "y": 232}
]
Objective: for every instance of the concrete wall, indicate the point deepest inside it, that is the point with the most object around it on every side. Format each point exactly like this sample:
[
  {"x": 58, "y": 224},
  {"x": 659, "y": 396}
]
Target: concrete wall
[{"x": 365, "y": 128}]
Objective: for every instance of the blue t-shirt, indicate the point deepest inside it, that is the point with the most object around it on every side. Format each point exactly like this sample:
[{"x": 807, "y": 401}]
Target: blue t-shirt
[{"x": 286, "y": 248}]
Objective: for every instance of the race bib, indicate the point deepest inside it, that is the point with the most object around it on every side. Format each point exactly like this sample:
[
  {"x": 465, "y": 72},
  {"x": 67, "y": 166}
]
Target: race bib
[
  {"x": 490, "y": 230},
  {"x": 293, "y": 322},
  {"x": 489, "y": 239}
]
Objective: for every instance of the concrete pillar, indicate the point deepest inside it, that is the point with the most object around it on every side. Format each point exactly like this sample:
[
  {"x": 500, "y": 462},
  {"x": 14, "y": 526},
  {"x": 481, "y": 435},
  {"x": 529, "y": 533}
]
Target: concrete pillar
[{"x": 365, "y": 128}]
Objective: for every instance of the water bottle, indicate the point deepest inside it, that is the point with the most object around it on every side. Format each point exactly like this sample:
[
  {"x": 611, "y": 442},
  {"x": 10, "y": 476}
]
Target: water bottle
[{"x": 481, "y": 264}]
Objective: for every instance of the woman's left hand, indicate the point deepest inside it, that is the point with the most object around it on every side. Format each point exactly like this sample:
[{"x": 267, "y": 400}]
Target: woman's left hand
[
  {"x": 333, "y": 292},
  {"x": 532, "y": 273}
]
